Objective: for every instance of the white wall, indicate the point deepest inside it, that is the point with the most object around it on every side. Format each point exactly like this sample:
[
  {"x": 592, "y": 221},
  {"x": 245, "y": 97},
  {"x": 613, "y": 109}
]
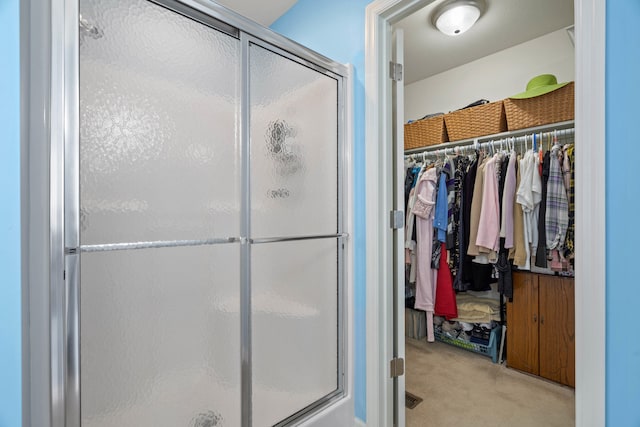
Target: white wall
[{"x": 493, "y": 77}]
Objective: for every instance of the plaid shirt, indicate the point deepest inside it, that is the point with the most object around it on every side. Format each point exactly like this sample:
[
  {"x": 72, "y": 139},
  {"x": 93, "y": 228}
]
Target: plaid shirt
[
  {"x": 569, "y": 243},
  {"x": 557, "y": 214}
]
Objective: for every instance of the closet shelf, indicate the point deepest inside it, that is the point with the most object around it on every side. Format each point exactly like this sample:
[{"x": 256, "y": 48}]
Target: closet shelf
[{"x": 515, "y": 133}]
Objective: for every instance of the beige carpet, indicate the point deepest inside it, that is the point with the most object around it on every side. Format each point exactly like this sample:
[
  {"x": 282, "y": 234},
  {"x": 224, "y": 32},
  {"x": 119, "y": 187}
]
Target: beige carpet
[{"x": 463, "y": 389}]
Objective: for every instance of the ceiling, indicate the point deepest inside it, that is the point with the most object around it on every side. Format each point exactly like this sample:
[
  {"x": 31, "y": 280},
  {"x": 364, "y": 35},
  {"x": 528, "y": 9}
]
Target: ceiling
[
  {"x": 261, "y": 11},
  {"x": 504, "y": 23}
]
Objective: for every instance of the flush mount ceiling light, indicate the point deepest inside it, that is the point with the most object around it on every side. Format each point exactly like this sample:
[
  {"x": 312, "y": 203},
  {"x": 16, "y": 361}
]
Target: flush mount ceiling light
[{"x": 454, "y": 17}]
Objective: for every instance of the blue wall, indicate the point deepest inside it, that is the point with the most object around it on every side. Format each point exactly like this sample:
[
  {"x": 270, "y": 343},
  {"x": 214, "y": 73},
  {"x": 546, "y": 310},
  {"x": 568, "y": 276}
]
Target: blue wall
[
  {"x": 10, "y": 294},
  {"x": 622, "y": 207},
  {"x": 335, "y": 28}
]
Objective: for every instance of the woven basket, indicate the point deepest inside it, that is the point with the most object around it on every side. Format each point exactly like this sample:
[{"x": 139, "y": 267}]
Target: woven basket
[
  {"x": 482, "y": 120},
  {"x": 423, "y": 133},
  {"x": 553, "y": 107}
]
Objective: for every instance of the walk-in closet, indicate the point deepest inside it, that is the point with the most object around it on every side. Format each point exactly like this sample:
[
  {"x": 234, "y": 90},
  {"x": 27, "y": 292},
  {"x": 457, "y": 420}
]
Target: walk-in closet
[{"x": 489, "y": 205}]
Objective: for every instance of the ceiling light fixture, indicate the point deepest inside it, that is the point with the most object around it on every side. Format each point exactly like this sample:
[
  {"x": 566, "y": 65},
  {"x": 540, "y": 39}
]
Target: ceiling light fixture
[{"x": 454, "y": 17}]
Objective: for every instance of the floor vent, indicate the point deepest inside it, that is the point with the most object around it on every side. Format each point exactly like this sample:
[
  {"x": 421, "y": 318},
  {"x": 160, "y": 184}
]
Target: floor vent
[{"x": 411, "y": 400}]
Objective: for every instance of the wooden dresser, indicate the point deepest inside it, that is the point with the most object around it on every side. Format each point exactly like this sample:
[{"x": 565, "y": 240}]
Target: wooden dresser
[{"x": 541, "y": 327}]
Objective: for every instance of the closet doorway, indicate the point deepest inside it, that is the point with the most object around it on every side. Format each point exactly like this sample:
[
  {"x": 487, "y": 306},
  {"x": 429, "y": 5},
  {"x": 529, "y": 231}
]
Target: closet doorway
[
  {"x": 589, "y": 270},
  {"x": 510, "y": 44}
]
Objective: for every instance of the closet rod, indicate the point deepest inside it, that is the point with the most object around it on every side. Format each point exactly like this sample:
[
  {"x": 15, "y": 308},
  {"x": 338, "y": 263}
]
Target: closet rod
[
  {"x": 513, "y": 141},
  {"x": 560, "y": 126}
]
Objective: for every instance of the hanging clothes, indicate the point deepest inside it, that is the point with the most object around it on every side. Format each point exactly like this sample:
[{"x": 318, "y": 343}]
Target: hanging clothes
[
  {"x": 480, "y": 269},
  {"x": 466, "y": 262},
  {"x": 457, "y": 223},
  {"x": 441, "y": 217},
  {"x": 450, "y": 169},
  {"x": 503, "y": 266},
  {"x": 569, "y": 242},
  {"x": 518, "y": 252},
  {"x": 476, "y": 207},
  {"x": 541, "y": 253},
  {"x": 426, "y": 277},
  {"x": 440, "y": 221},
  {"x": 410, "y": 243},
  {"x": 506, "y": 223},
  {"x": 445, "y": 304},
  {"x": 471, "y": 221},
  {"x": 557, "y": 214},
  {"x": 411, "y": 178},
  {"x": 488, "y": 238},
  {"x": 526, "y": 232},
  {"x": 529, "y": 195}
]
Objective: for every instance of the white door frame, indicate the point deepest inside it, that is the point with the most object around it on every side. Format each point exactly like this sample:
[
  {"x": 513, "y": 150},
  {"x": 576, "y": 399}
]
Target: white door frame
[{"x": 590, "y": 202}]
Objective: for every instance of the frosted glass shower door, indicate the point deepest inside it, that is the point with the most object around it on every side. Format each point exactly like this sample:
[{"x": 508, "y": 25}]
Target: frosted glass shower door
[
  {"x": 295, "y": 228},
  {"x": 159, "y": 209}
]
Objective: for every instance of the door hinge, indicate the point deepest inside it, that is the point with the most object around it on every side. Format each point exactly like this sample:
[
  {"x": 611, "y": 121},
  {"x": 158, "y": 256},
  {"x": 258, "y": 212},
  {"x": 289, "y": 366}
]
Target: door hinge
[
  {"x": 397, "y": 367},
  {"x": 396, "y": 220},
  {"x": 395, "y": 71}
]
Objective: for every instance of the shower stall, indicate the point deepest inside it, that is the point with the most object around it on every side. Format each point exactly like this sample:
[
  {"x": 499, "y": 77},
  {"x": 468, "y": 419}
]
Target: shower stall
[{"x": 202, "y": 249}]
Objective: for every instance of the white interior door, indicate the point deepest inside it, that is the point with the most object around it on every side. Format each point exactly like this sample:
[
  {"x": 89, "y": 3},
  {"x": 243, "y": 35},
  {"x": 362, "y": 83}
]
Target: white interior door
[{"x": 398, "y": 234}]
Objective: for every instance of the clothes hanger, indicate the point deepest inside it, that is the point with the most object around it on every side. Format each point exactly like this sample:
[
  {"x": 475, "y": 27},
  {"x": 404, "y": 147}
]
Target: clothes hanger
[
  {"x": 452, "y": 165},
  {"x": 444, "y": 157},
  {"x": 548, "y": 141},
  {"x": 456, "y": 151},
  {"x": 519, "y": 143},
  {"x": 541, "y": 142}
]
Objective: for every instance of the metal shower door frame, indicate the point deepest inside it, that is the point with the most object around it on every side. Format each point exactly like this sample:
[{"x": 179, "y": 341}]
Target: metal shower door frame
[
  {"x": 64, "y": 204},
  {"x": 340, "y": 236}
]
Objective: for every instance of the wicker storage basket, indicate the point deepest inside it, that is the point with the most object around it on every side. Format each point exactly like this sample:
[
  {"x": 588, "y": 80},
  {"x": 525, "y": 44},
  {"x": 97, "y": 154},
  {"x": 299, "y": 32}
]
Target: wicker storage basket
[
  {"x": 553, "y": 107},
  {"x": 423, "y": 133},
  {"x": 482, "y": 120}
]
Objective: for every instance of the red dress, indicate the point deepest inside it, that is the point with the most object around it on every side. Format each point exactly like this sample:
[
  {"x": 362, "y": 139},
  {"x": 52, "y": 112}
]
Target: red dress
[{"x": 445, "y": 295}]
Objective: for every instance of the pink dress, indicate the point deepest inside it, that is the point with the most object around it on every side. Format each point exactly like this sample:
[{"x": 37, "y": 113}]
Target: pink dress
[
  {"x": 489, "y": 225},
  {"x": 425, "y": 275}
]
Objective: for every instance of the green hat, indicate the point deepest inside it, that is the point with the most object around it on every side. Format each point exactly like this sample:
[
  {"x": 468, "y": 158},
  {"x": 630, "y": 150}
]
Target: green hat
[{"x": 539, "y": 85}]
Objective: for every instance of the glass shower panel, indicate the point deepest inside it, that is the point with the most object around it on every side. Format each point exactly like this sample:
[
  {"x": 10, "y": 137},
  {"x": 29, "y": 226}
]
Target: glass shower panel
[
  {"x": 159, "y": 111},
  {"x": 294, "y": 326},
  {"x": 159, "y": 338},
  {"x": 294, "y": 146}
]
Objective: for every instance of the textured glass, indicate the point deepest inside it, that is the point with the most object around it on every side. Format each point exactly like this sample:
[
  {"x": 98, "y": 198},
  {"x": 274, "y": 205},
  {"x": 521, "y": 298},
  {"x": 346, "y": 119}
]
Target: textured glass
[
  {"x": 294, "y": 147},
  {"x": 160, "y": 337},
  {"x": 294, "y": 321},
  {"x": 159, "y": 147}
]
